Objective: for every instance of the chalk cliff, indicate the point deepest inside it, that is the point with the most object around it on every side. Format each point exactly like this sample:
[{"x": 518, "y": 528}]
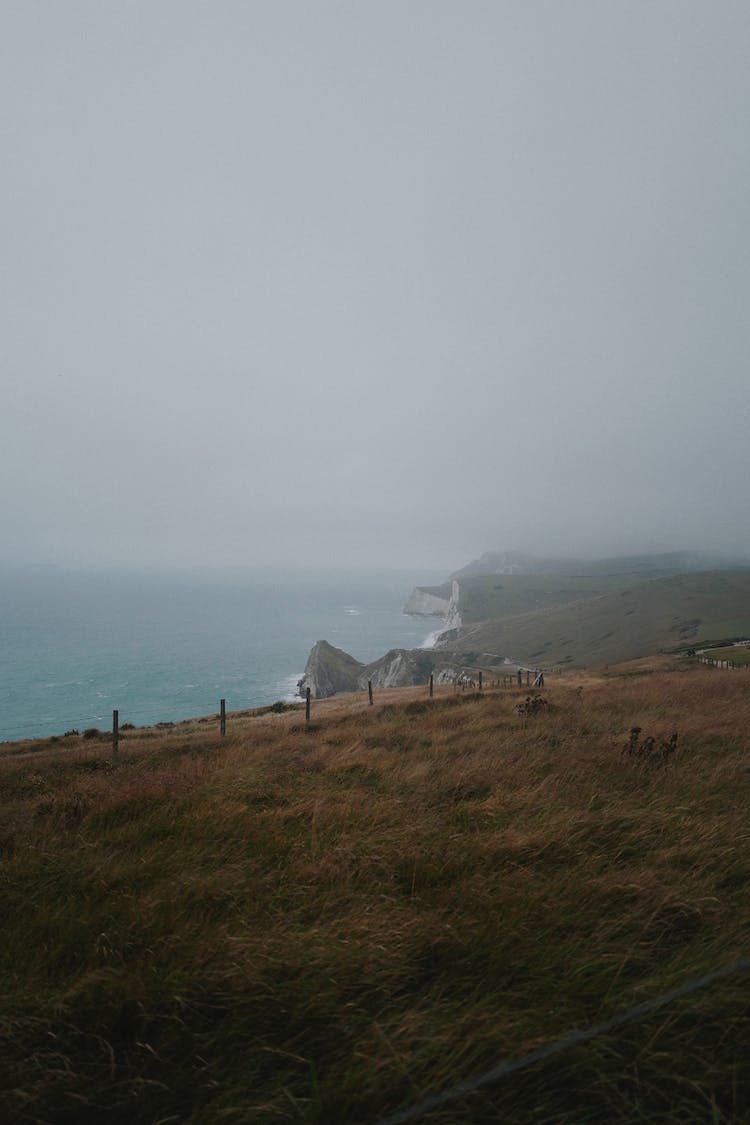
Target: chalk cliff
[
  {"x": 329, "y": 670},
  {"x": 436, "y": 601},
  {"x": 429, "y": 601}
]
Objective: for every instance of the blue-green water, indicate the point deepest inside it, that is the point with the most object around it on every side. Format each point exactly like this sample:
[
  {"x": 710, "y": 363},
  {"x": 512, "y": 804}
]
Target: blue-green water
[{"x": 75, "y": 646}]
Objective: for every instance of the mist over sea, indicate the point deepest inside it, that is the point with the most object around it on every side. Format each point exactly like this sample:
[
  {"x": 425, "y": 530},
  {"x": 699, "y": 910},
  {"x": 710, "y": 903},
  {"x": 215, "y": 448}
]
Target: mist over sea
[{"x": 74, "y": 646}]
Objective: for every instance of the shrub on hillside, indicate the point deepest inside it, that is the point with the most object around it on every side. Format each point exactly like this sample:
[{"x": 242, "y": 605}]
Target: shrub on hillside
[
  {"x": 534, "y": 705},
  {"x": 649, "y": 748}
]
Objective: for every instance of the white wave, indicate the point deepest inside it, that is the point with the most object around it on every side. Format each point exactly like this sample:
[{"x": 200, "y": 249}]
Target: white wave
[
  {"x": 288, "y": 688},
  {"x": 433, "y": 638}
]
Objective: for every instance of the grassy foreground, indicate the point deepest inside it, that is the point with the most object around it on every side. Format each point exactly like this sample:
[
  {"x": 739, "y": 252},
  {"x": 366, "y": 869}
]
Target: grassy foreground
[{"x": 326, "y": 924}]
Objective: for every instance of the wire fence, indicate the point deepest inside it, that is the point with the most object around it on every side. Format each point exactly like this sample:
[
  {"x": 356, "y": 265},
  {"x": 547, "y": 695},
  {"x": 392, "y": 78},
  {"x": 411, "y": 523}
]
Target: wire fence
[
  {"x": 153, "y": 715},
  {"x": 573, "y": 1038},
  {"x": 59, "y": 724},
  {"x": 711, "y": 662}
]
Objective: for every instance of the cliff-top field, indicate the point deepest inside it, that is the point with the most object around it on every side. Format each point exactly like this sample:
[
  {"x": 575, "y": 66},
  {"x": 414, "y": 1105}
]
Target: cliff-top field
[{"x": 328, "y": 923}]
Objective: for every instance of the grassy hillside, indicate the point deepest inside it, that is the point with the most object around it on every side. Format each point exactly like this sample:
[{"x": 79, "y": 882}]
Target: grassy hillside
[
  {"x": 506, "y": 595},
  {"x": 738, "y": 654},
  {"x": 326, "y": 923},
  {"x": 664, "y": 614},
  {"x": 547, "y": 583}
]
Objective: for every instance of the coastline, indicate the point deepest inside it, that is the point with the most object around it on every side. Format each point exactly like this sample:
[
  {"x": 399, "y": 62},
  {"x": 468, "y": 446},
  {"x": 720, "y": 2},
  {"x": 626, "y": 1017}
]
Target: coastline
[{"x": 165, "y": 649}]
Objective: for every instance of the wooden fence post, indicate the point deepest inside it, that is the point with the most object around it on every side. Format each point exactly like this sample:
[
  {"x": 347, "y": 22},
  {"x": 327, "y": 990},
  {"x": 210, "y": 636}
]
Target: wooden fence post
[
  {"x": 369, "y": 690},
  {"x": 480, "y": 679},
  {"x": 520, "y": 678},
  {"x": 307, "y": 705},
  {"x": 223, "y": 717},
  {"x": 115, "y": 731},
  {"x": 432, "y": 684}
]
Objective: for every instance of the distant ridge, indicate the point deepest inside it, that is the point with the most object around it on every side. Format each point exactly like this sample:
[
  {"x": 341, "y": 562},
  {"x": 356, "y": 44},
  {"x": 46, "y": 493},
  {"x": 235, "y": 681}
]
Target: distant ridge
[
  {"x": 506, "y": 583},
  {"x": 645, "y": 565},
  {"x": 663, "y": 614}
]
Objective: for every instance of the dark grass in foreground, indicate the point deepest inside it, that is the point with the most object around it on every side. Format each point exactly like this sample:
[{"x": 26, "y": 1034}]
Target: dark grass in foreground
[{"x": 326, "y": 925}]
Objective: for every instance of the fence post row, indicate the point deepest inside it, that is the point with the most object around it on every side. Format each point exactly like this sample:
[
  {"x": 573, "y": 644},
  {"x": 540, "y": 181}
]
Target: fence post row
[
  {"x": 506, "y": 681},
  {"x": 726, "y": 665}
]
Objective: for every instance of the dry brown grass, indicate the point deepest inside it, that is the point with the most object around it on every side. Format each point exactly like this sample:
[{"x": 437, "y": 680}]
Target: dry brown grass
[{"x": 321, "y": 923}]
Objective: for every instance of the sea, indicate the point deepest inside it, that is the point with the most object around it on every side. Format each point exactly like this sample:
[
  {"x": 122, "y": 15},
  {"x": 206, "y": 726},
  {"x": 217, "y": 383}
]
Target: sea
[{"x": 74, "y": 645}]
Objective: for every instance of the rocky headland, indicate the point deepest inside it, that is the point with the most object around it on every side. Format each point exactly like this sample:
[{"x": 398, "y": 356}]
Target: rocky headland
[
  {"x": 330, "y": 670},
  {"x": 552, "y": 614}
]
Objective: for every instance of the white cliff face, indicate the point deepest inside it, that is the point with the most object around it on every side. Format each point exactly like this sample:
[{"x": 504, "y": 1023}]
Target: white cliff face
[
  {"x": 423, "y": 604},
  {"x": 452, "y": 614},
  {"x": 395, "y": 673},
  {"x": 452, "y": 619}
]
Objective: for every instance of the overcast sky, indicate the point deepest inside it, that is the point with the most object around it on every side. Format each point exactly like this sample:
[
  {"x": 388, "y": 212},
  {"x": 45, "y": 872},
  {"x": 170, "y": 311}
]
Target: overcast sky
[{"x": 383, "y": 282}]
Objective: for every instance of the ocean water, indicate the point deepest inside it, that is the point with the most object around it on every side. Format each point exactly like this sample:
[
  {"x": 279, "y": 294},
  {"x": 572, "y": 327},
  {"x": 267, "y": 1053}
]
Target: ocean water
[{"x": 75, "y": 646}]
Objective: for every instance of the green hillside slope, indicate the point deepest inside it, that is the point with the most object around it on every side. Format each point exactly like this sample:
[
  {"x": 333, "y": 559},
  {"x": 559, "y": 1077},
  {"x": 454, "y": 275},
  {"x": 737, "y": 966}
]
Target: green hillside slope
[
  {"x": 666, "y": 613},
  {"x": 487, "y": 590},
  {"x": 504, "y": 595}
]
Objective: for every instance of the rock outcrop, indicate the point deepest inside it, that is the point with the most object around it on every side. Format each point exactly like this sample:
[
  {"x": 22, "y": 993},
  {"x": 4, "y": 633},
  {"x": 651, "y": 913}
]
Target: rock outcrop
[
  {"x": 400, "y": 668},
  {"x": 329, "y": 670}
]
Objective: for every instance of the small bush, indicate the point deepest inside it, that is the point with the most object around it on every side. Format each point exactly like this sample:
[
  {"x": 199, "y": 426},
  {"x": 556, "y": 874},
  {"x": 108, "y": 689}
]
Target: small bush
[
  {"x": 92, "y": 732},
  {"x": 534, "y": 705},
  {"x": 648, "y": 748}
]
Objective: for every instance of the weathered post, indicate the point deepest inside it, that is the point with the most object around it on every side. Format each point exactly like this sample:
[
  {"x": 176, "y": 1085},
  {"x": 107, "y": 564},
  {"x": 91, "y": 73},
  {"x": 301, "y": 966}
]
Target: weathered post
[
  {"x": 432, "y": 684},
  {"x": 223, "y": 717},
  {"x": 480, "y": 679},
  {"x": 528, "y": 677},
  {"x": 369, "y": 690},
  {"x": 115, "y": 731},
  {"x": 307, "y": 705},
  {"x": 520, "y": 678}
]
